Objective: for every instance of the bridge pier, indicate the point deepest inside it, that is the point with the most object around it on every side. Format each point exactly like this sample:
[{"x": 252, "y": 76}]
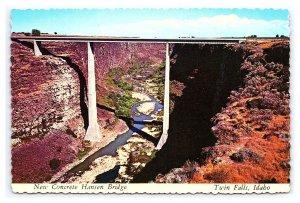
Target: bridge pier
[
  {"x": 36, "y": 49},
  {"x": 93, "y": 133},
  {"x": 164, "y": 135}
]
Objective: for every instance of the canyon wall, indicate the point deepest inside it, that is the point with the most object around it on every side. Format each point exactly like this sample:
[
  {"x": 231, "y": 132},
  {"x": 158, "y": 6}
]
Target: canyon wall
[
  {"x": 253, "y": 130},
  {"x": 46, "y": 117},
  {"x": 45, "y": 93}
]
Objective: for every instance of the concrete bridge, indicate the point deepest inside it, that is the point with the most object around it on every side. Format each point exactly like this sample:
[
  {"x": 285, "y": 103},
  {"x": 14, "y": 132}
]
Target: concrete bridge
[{"x": 93, "y": 132}]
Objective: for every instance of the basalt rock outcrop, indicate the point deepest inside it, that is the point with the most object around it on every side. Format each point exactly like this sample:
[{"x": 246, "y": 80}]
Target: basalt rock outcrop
[
  {"x": 253, "y": 129},
  {"x": 45, "y": 92},
  {"x": 45, "y": 106}
]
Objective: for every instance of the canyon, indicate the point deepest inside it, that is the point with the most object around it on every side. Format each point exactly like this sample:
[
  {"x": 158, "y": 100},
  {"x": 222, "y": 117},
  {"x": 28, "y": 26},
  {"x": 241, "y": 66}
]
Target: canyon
[{"x": 229, "y": 113}]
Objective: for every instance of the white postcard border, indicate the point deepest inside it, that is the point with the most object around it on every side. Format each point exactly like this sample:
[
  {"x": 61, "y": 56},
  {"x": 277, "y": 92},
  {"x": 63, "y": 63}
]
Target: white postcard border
[{"x": 151, "y": 188}]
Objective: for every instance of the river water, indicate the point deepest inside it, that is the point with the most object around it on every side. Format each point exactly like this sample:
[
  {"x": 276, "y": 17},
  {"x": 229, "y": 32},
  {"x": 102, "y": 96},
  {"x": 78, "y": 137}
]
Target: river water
[{"x": 111, "y": 148}]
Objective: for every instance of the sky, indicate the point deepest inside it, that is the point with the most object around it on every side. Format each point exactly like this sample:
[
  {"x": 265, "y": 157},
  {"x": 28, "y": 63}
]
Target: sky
[{"x": 151, "y": 23}]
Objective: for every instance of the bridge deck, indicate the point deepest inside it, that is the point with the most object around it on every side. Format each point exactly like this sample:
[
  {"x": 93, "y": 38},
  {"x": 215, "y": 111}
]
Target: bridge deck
[{"x": 137, "y": 40}]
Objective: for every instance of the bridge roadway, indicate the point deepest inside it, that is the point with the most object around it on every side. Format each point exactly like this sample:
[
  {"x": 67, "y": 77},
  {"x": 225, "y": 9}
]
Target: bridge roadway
[
  {"x": 94, "y": 133},
  {"x": 135, "y": 40}
]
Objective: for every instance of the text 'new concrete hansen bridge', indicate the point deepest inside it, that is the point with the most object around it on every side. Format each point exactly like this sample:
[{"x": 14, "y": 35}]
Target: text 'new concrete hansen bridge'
[{"x": 94, "y": 132}]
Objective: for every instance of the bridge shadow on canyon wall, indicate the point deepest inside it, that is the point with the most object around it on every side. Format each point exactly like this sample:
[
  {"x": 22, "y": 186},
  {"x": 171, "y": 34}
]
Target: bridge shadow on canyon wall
[
  {"x": 76, "y": 68},
  {"x": 209, "y": 73}
]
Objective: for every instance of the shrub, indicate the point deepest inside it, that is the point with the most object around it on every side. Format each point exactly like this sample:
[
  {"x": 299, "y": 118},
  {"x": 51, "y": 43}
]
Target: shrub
[
  {"x": 245, "y": 154},
  {"x": 38, "y": 160},
  {"x": 35, "y": 32},
  {"x": 125, "y": 86},
  {"x": 217, "y": 176},
  {"x": 124, "y": 104},
  {"x": 116, "y": 73},
  {"x": 54, "y": 164}
]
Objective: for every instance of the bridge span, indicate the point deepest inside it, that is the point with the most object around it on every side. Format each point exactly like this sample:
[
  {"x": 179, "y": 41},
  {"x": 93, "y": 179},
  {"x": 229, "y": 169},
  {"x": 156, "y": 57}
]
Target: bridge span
[
  {"x": 134, "y": 40},
  {"x": 94, "y": 132}
]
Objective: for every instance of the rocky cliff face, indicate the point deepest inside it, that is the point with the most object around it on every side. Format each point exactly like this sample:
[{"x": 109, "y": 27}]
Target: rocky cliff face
[
  {"x": 41, "y": 86},
  {"x": 253, "y": 130},
  {"x": 45, "y": 105},
  {"x": 125, "y": 55}
]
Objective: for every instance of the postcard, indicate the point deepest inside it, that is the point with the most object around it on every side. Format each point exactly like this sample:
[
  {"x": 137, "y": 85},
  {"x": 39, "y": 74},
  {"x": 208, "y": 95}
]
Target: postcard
[{"x": 150, "y": 101}]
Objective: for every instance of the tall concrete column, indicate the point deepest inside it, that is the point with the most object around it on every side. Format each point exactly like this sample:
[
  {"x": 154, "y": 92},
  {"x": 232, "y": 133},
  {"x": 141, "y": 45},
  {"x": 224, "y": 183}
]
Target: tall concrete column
[
  {"x": 36, "y": 49},
  {"x": 164, "y": 135},
  {"x": 93, "y": 133}
]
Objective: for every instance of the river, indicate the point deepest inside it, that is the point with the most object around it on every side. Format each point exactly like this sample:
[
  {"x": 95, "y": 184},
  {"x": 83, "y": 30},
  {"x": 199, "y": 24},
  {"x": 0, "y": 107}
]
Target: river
[{"x": 111, "y": 148}]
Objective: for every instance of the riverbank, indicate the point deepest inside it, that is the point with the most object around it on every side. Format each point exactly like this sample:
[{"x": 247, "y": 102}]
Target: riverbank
[
  {"x": 130, "y": 159},
  {"x": 108, "y": 137}
]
